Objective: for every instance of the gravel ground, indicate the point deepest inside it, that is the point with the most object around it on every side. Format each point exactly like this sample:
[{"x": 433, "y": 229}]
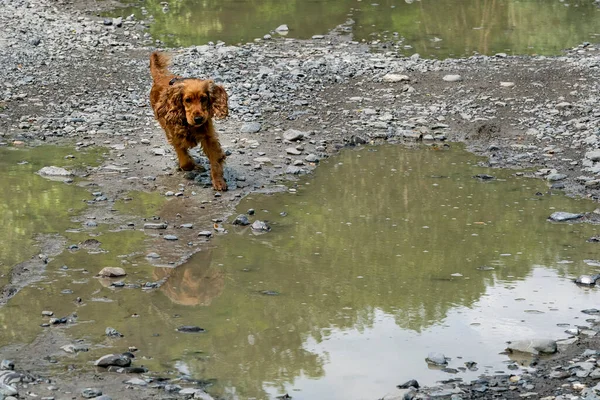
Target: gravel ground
[{"x": 70, "y": 77}]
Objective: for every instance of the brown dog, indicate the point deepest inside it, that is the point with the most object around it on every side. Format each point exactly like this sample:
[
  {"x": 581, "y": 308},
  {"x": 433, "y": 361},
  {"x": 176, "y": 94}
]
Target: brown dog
[{"x": 184, "y": 107}]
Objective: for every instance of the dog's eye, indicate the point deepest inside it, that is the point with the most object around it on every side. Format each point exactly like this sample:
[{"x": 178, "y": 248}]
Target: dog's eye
[
  {"x": 204, "y": 99},
  {"x": 188, "y": 100}
]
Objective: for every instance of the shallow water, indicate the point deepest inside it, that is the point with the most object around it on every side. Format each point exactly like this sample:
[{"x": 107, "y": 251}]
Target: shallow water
[
  {"x": 376, "y": 261},
  {"x": 366, "y": 264},
  {"x": 432, "y": 28},
  {"x": 32, "y": 205}
]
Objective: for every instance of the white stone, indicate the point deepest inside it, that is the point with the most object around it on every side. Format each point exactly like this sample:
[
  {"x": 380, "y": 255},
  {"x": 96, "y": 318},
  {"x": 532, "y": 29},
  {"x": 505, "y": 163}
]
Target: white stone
[
  {"x": 393, "y": 78},
  {"x": 533, "y": 346},
  {"x": 7, "y": 390},
  {"x": 54, "y": 171},
  {"x": 563, "y": 105},
  {"x": 263, "y": 160},
  {"x": 137, "y": 382},
  {"x": 293, "y": 135},
  {"x": 112, "y": 272},
  {"x": 436, "y": 358},
  {"x": 593, "y": 155},
  {"x": 452, "y": 78}
]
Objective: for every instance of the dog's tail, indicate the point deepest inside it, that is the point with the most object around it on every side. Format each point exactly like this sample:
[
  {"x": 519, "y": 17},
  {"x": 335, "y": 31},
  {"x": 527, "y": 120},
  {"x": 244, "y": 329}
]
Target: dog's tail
[{"x": 159, "y": 63}]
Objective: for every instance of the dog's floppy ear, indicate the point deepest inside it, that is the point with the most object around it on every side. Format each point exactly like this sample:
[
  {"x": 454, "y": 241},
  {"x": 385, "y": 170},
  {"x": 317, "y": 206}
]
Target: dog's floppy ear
[
  {"x": 170, "y": 105},
  {"x": 218, "y": 100}
]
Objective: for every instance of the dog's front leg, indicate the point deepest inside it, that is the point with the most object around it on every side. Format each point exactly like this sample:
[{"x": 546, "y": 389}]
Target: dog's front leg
[
  {"x": 186, "y": 162},
  {"x": 216, "y": 157},
  {"x": 177, "y": 139}
]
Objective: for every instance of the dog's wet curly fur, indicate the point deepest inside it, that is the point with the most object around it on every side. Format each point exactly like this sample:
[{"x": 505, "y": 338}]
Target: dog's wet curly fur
[{"x": 184, "y": 107}]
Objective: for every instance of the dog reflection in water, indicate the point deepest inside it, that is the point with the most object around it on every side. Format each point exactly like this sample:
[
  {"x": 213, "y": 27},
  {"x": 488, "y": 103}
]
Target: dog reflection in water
[{"x": 194, "y": 283}]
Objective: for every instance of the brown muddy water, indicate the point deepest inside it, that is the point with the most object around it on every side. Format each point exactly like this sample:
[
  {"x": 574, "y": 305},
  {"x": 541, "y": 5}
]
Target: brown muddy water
[
  {"x": 383, "y": 255},
  {"x": 432, "y": 28}
]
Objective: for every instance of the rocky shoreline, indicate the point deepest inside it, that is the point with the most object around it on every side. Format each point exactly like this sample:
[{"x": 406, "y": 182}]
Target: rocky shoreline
[{"x": 71, "y": 77}]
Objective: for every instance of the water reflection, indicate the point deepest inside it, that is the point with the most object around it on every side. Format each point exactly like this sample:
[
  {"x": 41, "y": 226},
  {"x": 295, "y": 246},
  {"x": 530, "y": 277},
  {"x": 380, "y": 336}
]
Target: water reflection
[
  {"x": 32, "y": 205},
  {"x": 194, "y": 284},
  {"x": 459, "y": 28},
  {"x": 377, "y": 263},
  {"x": 363, "y": 363},
  {"x": 439, "y": 28}
]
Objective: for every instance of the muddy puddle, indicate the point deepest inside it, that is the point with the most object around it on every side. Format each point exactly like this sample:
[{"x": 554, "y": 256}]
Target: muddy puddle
[
  {"x": 31, "y": 205},
  {"x": 432, "y": 28},
  {"x": 384, "y": 255}
]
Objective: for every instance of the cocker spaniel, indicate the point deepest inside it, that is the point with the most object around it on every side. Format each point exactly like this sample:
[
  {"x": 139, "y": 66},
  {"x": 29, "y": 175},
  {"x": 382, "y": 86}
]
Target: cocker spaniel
[{"x": 184, "y": 107}]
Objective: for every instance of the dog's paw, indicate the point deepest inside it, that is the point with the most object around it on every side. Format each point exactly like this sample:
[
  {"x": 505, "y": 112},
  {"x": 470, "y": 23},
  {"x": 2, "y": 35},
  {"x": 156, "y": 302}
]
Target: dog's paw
[
  {"x": 220, "y": 185},
  {"x": 188, "y": 166}
]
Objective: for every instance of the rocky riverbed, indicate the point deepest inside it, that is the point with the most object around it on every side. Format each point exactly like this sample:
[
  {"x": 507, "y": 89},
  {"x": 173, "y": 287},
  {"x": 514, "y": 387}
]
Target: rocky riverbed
[{"x": 70, "y": 77}]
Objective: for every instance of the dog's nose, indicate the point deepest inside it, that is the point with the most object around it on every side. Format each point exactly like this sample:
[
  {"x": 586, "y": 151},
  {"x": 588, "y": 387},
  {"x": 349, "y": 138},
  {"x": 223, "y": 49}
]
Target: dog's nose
[{"x": 198, "y": 120}]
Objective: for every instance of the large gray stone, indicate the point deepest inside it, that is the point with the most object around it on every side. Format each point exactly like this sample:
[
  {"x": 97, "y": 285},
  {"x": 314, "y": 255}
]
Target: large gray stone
[
  {"x": 561, "y": 216},
  {"x": 9, "y": 377},
  {"x": 555, "y": 177},
  {"x": 7, "y": 365},
  {"x": 392, "y": 78},
  {"x": 260, "y": 226},
  {"x": 251, "y": 127},
  {"x": 452, "y": 78},
  {"x": 90, "y": 393},
  {"x": 399, "y": 394},
  {"x": 293, "y": 170},
  {"x": 136, "y": 382},
  {"x": 593, "y": 155},
  {"x": 533, "y": 346},
  {"x": 161, "y": 225},
  {"x": 436, "y": 358},
  {"x": 54, "y": 171},
  {"x": 293, "y": 135},
  {"x": 118, "y": 360},
  {"x": 112, "y": 272},
  {"x": 7, "y": 390},
  {"x": 202, "y": 395}
]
